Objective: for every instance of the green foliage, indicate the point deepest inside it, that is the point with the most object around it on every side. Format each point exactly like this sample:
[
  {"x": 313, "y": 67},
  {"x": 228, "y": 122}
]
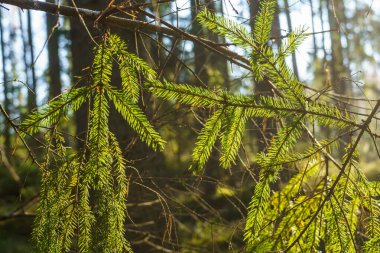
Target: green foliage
[
  {"x": 83, "y": 205},
  {"x": 291, "y": 43},
  {"x": 137, "y": 120},
  {"x": 233, "y": 31},
  {"x": 206, "y": 140},
  {"x": 83, "y": 193},
  {"x": 185, "y": 94},
  {"x": 264, "y": 20},
  {"x": 256, "y": 211},
  {"x": 130, "y": 66},
  {"x": 313, "y": 211},
  {"x": 51, "y": 113},
  {"x": 231, "y": 139}
]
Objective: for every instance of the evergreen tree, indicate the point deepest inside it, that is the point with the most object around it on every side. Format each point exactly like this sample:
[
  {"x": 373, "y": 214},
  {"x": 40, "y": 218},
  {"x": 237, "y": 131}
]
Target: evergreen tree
[{"x": 82, "y": 204}]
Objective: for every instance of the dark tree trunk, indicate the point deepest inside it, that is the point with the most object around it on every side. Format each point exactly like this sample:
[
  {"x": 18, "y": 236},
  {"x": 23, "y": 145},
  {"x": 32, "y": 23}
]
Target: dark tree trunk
[
  {"x": 253, "y": 10},
  {"x": 82, "y": 56},
  {"x": 289, "y": 22},
  {"x": 218, "y": 62},
  {"x": 199, "y": 51},
  {"x": 323, "y": 42},
  {"x": 7, "y": 137},
  {"x": 148, "y": 163},
  {"x": 24, "y": 49},
  {"x": 54, "y": 69},
  {"x": 32, "y": 90}
]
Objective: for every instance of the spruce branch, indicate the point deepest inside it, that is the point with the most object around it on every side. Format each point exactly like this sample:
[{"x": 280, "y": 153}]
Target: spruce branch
[
  {"x": 128, "y": 24},
  {"x": 342, "y": 168}
]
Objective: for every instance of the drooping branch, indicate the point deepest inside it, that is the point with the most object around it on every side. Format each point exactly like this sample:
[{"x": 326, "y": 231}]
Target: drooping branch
[
  {"x": 129, "y": 24},
  {"x": 342, "y": 169}
]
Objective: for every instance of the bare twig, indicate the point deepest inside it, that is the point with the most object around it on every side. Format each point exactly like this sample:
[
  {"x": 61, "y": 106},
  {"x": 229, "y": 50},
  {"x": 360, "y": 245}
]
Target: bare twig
[
  {"x": 11, "y": 170},
  {"x": 15, "y": 128}
]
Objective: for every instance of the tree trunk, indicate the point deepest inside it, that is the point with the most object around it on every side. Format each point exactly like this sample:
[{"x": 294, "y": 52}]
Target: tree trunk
[
  {"x": 7, "y": 137},
  {"x": 147, "y": 162},
  {"x": 289, "y": 22},
  {"x": 54, "y": 69},
  {"x": 32, "y": 90},
  {"x": 81, "y": 57},
  {"x": 219, "y": 63},
  {"x": 199, "y": 52},
  {"x": 321, "y": 3},
  {"x": 24, "y": 49},
  {"x": 339, "y": 71},
  {"x": 315, "y": 46}
]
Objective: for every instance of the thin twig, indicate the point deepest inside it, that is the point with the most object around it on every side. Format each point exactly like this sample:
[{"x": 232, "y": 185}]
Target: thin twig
[
  {"x": 15, "y": 128},
  {"x": 341, "y": 173}
]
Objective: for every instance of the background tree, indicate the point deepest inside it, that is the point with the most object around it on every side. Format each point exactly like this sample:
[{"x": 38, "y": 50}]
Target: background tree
[{"x": 55, "y": 84}]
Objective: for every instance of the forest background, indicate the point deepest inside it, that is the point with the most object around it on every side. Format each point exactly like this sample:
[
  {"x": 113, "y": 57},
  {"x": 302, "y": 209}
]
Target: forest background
[{"x": 170, "y": 208}]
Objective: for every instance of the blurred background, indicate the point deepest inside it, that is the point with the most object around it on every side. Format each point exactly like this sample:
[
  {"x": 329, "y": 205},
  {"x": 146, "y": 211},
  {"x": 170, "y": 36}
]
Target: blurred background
[{"x": 170, "y": 209}]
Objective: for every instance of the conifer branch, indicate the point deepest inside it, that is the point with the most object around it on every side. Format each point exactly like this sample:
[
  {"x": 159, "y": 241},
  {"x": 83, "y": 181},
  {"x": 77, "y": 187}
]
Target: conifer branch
[
  {"x": 128, "y": 24},
  {"x": 363, "y": 128}
]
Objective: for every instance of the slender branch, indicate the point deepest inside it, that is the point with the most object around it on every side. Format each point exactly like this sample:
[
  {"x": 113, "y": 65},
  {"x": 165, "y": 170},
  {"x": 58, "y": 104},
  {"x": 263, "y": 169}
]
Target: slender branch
[
  {"x": 21, "y": 212},
  {"x": 15, "y": 128},
  {"x": 8, "y": 166},
  {"x": 16, "y": 216},
  {"x": 129, "y": 24},
  {"x": 363, "y": 128}
]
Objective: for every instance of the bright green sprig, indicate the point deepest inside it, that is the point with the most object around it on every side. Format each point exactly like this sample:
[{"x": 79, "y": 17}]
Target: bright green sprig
[
  {"x": 137, "y": 120},
  {"x": 128, "y": 74},
  {"x": 256, "y": 211},
  {"x": 329, "y": 115},
  {"x": 233, "y": 31},
  {"x": 206, "y": 140},
  {"x": 99, "y": 161},
  {"x": 264, "y": 20},
  {"x": 54, "y": 110},
  {"x": 119, "y": 49},
  {"x": 231, "y": 138},
  {"x": 292, "y": 41},
  {"x": 185, "y": 94},
  {"x": 102, "y": 65}
]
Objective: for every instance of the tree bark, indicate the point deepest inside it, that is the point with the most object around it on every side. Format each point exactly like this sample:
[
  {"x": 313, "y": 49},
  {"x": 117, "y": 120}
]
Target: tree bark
[
  {"x": 54, "y": 68},
  {"x": 7, "y": 137},
  {"x": 315, "y": 46},
  {"x": 339, "y": 71},
  {"x": 290, "y": 29},
  {"x": 216, "y": 60},
  {"x": 200, "y": 58},
  {"x": 32, "y": 90}
]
